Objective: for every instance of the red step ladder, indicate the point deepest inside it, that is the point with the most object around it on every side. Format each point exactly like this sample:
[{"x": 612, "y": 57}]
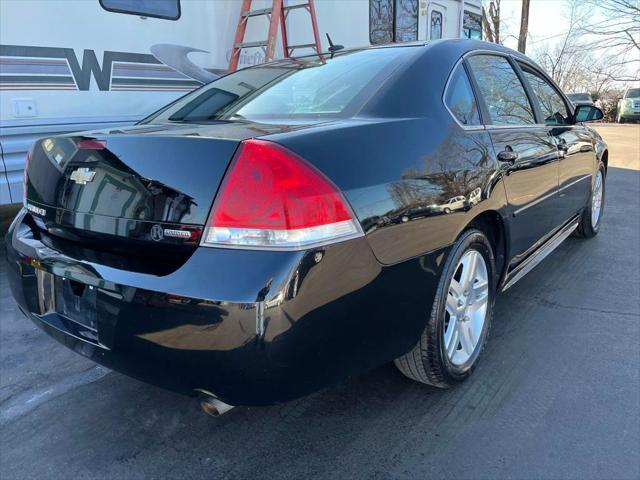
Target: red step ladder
[{"x": 276, "y": 14}]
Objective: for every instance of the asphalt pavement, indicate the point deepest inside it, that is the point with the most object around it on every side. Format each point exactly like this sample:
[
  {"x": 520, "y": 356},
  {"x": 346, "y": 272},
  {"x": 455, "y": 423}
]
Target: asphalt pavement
[{"x": 557, "y": 394}]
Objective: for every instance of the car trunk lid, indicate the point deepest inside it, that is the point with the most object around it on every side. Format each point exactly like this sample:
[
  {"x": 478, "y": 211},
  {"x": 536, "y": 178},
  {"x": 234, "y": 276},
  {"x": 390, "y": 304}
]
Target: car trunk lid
[{"x": 126, "y": 186}]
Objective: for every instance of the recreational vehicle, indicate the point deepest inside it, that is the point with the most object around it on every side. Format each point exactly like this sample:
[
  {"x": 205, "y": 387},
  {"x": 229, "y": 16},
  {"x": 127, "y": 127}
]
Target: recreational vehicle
[{"x": 78, "y": 65}]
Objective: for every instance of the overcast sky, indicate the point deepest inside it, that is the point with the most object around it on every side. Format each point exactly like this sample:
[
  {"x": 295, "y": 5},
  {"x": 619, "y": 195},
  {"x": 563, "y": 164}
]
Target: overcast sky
[{"x": 548, "y": 20}]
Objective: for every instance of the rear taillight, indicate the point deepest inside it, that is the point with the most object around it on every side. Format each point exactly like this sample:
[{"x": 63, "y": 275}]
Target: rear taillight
[
  {"x": 24, "y": 182},
  {"x": 273, "y": 199}
]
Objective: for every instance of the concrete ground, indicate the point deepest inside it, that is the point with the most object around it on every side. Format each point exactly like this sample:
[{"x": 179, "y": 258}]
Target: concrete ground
[{"x": 557, "y": 394}]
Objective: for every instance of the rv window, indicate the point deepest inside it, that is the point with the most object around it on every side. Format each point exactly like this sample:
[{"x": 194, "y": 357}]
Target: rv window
[
  {"x": 472, "y": 25},
  {"x": 393, "y": 21},
  {"x": 436, "y": 25},
  {"x": 167, "y": 9},
  {"x": 380, "y": 21},
  {"x": 406, "y": 26}
]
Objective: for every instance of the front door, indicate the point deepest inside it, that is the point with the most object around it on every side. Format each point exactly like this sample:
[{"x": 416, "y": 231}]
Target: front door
[{"x": 575, "y": 146}]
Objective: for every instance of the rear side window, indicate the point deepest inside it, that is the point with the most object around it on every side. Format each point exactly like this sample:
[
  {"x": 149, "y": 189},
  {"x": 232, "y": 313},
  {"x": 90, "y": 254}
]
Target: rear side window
[
  {"x": 459, "y": 98},
  {"x": 167, "y": 9},
  {"x": 553, "y": 108},
  {"x": 502, "y": 90}
]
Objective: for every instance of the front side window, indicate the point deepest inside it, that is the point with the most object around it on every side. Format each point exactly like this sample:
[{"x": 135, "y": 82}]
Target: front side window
[
  {"x": 436, "y": 25},
  {"x": 393, "y": 21},
  {"x": 460, "y": 99},
  {"x": 313, "y": 89},
  {"x": 167, "y": 9},
  {"x": 502, "y": 90},
  {"x": 553, "y": 108}
]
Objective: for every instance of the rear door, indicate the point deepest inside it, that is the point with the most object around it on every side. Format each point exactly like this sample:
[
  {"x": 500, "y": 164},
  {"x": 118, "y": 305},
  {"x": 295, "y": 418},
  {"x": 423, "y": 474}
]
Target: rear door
[
  {"x": 575, "y": 146},
  {"x": 527, "y": 154}
]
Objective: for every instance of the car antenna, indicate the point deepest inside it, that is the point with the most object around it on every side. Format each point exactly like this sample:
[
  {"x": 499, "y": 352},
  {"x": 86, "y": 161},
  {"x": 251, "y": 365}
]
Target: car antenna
[{"x": 333, "y": 48}]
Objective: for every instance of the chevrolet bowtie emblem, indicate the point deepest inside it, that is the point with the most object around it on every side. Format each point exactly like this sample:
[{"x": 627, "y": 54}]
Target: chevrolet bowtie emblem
[{"x": 82, "y": 176}]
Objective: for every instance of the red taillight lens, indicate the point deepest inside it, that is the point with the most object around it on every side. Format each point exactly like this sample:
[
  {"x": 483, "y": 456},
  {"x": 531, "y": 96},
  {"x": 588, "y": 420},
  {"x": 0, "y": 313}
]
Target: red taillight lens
[
  {"x": 92, "y": 144},
  {"x": 273, "y": 198}
]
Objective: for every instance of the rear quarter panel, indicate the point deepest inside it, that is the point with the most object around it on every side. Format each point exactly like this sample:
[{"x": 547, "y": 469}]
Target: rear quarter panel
[
  {"x": 404, "y": 159},
  {"x": 400, "y": 177}
]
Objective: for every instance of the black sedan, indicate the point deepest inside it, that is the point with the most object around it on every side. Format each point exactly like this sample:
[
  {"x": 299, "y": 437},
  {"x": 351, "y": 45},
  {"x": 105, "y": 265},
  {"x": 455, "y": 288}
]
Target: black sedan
[{"x": 298, "y": 222}]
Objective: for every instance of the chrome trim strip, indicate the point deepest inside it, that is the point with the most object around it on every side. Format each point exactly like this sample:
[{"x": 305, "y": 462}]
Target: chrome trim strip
[
  {"x": 535, "y": 202},
  {"x": 544, "y": 197},
  {"x": 520, "y": 125},
  {"x": 574, "y": 182},
  {"x": 541, "y": 254}
]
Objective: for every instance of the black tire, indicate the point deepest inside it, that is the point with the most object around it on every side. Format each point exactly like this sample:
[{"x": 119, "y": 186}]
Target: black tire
[
  {"x": 428, "y": 361},
  {"x": 586, "y": 229}
]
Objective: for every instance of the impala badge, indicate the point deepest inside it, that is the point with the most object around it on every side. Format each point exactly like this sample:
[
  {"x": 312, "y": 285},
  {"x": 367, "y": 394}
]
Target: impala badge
[{"x": 82, "y": 176}]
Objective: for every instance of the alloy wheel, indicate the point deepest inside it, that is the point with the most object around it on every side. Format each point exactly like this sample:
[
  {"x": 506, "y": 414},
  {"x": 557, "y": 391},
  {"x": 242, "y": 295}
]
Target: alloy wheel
[{"x": 466, "y": 308}]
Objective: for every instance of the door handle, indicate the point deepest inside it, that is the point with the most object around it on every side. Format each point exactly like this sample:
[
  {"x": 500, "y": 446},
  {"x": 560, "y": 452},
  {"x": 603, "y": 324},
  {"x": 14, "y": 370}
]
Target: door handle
[{"x": 508, "y": 155}]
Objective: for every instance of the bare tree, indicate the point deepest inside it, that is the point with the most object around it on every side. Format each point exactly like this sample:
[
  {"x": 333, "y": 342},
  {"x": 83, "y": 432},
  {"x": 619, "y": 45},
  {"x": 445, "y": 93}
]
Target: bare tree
[
  {"x": 618, "y": 32},
  {"x": 582, "y": 61},
  {"x": 565, "y": 60},
  {"x": 601, "y": 75},
  {"x": 524, "y": 26},
  {"x": 491, "y": 21}
]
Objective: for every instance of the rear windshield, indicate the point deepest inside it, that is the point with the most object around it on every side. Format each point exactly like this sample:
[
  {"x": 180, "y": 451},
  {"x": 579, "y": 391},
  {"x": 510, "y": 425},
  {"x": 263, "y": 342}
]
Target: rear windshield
[
  {"x": 309, "y": 87},
  {"x": 633, "y": 93}
]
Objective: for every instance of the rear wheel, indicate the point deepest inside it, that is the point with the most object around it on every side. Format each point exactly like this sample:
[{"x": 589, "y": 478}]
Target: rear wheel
[
  {"x": 458, "y": 326},
  {"x": 589, "y": 225}
]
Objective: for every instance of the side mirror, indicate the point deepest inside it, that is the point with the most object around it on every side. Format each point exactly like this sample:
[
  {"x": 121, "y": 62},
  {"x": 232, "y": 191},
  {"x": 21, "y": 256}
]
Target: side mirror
[{"x": 588, "y": 113}]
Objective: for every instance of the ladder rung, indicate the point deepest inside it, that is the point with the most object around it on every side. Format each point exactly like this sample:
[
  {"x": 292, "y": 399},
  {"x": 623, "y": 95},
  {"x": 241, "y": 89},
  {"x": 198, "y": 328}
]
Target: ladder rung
[
  {"x": 304, "y": 45},
  {"x": 293, "y": 7},
  {"x": 256, "y": 13},
  {"x": 251, "y": 44}
]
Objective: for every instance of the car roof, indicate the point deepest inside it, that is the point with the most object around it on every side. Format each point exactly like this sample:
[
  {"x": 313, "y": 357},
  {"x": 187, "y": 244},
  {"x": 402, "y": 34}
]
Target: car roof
[
  {"x": 455, "y": 47},
  {"x": 423, "y": 71}
]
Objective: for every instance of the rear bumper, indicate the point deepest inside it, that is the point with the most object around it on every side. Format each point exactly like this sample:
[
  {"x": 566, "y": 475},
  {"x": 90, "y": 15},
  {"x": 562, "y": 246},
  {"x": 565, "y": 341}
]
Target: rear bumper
[{"x": 253, "y": 327}]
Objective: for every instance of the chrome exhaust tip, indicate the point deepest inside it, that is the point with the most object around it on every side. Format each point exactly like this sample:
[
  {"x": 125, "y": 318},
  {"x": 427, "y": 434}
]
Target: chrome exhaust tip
[{"x": 211, "y": 405}]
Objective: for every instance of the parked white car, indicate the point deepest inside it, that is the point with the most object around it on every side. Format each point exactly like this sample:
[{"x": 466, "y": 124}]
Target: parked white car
[{"x": 629, "y": 106}]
